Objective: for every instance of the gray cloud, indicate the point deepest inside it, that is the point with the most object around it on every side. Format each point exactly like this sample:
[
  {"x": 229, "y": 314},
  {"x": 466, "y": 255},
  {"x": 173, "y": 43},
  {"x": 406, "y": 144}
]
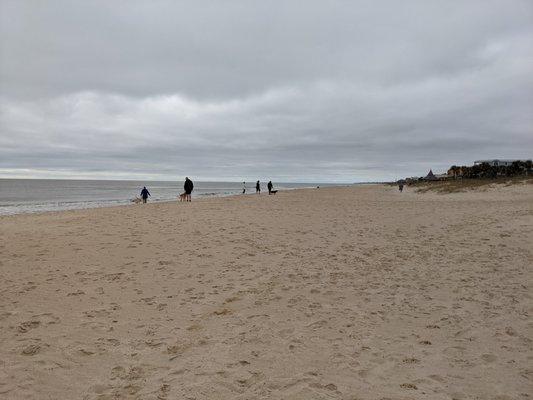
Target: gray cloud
[{"x": 293, "y": 90}]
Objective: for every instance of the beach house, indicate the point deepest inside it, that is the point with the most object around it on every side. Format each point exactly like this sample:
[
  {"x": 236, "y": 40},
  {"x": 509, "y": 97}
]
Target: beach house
[
  {"x": 431, "y": 176},
  {"x": 497, "y": 163}
]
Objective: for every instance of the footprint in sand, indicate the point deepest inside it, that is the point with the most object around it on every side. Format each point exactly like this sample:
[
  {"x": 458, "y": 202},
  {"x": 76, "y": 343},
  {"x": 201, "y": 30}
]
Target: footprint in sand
[
  {"x": 85, "y": 352},
  {"x": 223, "y": 311},
  {"x": 76, "y": 293},
  {"x": 437, "y": 378},
  {"x": 510, "y": 331},
  {"x": 411, "y": 386},
  {"x": 28, "y": 325},
  {"x": 100, "y": 389},
  {"x": 96, "y": 313},
  {"x": 232, "y": 299},
  {"x": 118, "y": 372},
  {"x": 31, "y": 350},
  {"x": 163, "y": 391},
  {"x": 164, "y": 262},
  {"x": 488, "y": 358}
]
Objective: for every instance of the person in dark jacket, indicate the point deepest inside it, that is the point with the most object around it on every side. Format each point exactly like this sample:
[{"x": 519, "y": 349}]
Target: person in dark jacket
[
  {"x": 188, "y": 187},
  {"x": 257, "y": 187},
  {"x": 270, "y": 186},
  {"x": 144, "y": 194}
]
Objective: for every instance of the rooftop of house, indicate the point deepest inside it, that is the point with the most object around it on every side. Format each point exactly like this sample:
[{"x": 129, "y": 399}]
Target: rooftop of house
[{"x": 496, "y": 159}]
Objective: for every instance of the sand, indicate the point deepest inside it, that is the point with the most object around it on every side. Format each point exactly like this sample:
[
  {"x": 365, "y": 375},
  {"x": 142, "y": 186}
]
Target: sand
[{"x": 338, "y": 293}]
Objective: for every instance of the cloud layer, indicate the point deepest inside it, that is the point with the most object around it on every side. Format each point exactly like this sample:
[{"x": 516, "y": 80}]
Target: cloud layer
[{"x": 296, "y": 91}]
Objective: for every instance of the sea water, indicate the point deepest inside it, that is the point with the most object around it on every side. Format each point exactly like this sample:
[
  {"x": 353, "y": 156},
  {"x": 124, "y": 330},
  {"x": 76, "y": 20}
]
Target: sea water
[{"x": 39, "y": 195}]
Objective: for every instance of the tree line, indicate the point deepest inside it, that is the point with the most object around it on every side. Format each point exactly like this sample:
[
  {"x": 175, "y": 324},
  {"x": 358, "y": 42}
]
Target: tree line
[{"x": 485, "y": 170}]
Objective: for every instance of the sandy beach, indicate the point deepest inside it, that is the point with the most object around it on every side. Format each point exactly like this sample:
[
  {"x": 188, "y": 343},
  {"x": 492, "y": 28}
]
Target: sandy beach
[{"x": 338, "y": 293}]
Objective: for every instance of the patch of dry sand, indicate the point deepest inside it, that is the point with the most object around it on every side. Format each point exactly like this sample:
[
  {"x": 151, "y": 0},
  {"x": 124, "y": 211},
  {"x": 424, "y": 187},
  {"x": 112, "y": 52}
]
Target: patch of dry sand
[{"x": 341, "y": 293}]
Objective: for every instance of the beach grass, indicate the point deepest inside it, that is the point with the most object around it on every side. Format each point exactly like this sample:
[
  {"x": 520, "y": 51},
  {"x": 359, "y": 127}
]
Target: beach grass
[{"x": 464, "y": 185}]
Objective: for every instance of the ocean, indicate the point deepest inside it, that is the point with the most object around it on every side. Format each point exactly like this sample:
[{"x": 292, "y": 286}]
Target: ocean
[{"x": 19, "y": 196}]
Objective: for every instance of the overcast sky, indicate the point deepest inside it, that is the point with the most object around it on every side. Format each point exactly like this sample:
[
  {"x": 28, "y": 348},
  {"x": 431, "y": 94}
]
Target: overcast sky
[{"x": 323, "y": 91}]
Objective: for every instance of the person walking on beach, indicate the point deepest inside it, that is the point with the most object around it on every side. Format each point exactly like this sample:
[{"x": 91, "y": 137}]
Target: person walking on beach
[
  {"x": 243, "y": 187},
  {"x": 257, "y": 187},
  {"x": 144, "y": 194},
  {"x": 188, "y": 187},
  {"x": 400, "y": 187},
  {"x": 270, "y": 186}
]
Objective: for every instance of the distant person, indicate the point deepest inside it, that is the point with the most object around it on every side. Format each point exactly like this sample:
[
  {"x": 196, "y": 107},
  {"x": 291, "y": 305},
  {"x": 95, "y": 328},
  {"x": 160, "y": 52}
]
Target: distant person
[
  {"x": 257, "y": 187},
  {"x": 144, "y": 194},
  {"x": 188, "y": 187},
  {"x": 400, "y": 187},
  {"x": 243, "y": 187},
  {"x": 270, "y": 186}
]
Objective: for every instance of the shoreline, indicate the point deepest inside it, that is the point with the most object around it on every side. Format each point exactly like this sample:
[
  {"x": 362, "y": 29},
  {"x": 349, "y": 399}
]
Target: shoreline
[
  {"x": 408, "y": 191},
  {"x": 201, "y": 197}
]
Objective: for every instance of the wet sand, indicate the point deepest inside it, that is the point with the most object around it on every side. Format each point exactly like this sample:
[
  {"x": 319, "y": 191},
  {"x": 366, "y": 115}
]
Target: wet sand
[{"x": 337, "y": 293}]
